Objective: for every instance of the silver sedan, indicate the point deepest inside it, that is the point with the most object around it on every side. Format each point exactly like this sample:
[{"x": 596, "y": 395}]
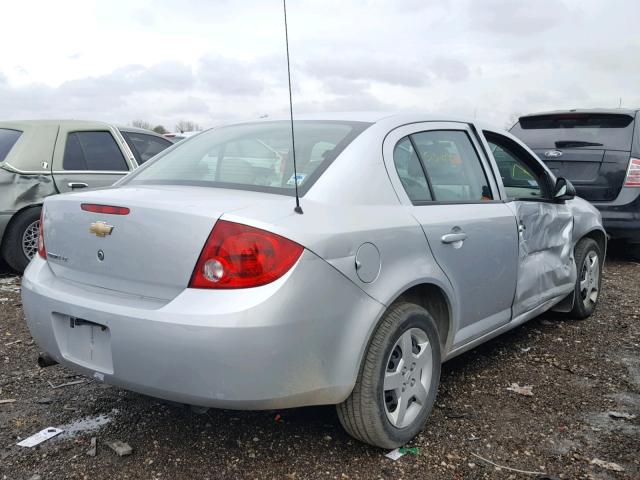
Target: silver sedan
[{"x": 193, "y": 279}]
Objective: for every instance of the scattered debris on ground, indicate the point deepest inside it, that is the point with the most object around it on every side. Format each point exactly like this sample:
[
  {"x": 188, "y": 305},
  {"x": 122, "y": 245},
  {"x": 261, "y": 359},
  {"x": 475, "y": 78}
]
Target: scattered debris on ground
[
  {"x": 93, "y": 447},
  {"x": 41, "y": 436},
  {"x": 121, "y": 448},
  {"x": 608, "y": 465},
  {"x": 525, "y": 390},
  {"x": 569, "y": 428}
]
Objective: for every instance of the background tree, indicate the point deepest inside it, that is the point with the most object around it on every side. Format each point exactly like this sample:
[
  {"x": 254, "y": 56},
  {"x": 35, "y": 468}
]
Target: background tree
[
  {"x": 187, "y": 126},
  {"x": 142, "y": 124},
  {"x": 160, "y": 129}
]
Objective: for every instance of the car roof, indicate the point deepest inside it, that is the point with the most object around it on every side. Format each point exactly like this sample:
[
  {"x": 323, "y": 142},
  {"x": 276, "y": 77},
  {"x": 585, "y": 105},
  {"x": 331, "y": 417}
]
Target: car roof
[
  {"x": 50, "y": 122},
  {"x": 628, "y": 111},
  {"x": 127, "y": 128},
  {"x": 388, "y": 120},
  {"x": 367, "y": 116}
]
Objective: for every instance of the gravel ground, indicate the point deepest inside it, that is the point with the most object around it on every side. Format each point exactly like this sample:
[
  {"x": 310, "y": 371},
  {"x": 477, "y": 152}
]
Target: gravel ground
[{"x": 578, "y": 371}]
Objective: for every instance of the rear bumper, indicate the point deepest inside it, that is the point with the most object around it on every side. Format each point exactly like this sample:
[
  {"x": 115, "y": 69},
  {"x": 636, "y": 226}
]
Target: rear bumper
[
  {"x": 297, "y": 341},
  {"x": 621, "y": 218}
]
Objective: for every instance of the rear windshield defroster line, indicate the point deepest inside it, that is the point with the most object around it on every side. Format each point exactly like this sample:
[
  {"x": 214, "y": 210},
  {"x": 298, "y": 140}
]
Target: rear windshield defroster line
[{"x": 252, "y": 156}]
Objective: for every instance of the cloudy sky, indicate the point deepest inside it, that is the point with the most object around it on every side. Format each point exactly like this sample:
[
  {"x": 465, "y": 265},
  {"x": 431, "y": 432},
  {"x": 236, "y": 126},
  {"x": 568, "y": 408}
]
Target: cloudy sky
[{"x": 215, "y": 61}]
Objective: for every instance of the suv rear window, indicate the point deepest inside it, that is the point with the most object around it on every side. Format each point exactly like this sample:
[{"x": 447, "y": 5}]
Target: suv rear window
[
  {"x": 610, "y": 131},
  {"x": 8, "y": 139},
  {"x": 252, "y": 156}
]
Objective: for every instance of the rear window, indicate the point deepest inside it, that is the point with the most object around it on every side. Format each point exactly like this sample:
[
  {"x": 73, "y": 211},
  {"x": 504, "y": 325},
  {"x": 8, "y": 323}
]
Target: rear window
[
  {"x": 610, "y": 131},
  {"x": 8, "y": 138},
  {"x": 145, "y": 146},
  {"x": 254, "y": 156}
]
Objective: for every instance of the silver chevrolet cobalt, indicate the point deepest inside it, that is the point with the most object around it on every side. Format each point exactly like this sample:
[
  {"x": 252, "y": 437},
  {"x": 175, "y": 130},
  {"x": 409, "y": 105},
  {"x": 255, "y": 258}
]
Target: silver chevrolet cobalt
[{"x": 193, "y": 279}]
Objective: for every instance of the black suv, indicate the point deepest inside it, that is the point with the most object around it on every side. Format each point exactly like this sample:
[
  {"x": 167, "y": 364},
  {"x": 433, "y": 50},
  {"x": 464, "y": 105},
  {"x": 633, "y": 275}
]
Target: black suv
[{"x": 599, "y": 151}]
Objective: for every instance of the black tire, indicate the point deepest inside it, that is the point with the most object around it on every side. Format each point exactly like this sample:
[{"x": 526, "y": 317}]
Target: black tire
[
  {"x": 12, "y": 250},
  {"x": 581, "y": 308},
  {"x": 364, "y": 415},
  {"x": 634, "y": 251}
]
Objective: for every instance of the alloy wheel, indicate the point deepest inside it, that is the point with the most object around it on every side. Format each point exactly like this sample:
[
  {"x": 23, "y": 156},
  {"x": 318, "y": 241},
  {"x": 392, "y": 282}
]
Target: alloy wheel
[
  {"x": 407, "y": 377},
  {"x": 590, "y": 279},
  {"x": 30, "y": 239}
]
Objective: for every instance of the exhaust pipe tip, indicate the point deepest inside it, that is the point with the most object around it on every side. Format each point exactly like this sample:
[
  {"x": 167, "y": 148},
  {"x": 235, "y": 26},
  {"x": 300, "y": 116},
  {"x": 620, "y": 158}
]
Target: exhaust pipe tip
[{"x": 46, "y": 360}]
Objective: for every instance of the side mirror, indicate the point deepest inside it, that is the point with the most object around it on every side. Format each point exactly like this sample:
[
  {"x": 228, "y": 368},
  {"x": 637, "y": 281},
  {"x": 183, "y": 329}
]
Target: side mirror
[{"x": 564, "y": 190}]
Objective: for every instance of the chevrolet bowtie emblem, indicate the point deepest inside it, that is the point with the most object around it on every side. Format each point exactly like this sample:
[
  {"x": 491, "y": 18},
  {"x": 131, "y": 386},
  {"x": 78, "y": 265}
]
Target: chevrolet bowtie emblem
[{"x": 101, "y": 229}]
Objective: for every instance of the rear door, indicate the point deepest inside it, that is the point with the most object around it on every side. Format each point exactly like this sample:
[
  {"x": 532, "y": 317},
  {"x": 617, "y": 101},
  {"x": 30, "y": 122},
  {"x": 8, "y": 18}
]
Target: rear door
[
  {"x": 546, "y": 268},
  {"x": 590, "y": 149},
  {"x": 443, "y": 177},
  {"x": 89, "y": 156}
]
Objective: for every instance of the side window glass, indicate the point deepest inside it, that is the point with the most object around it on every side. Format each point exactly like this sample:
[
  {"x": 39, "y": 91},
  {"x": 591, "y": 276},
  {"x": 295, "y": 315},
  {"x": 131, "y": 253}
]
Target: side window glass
[
  {"x": 145, "y": 146},
  {"x": 453, "y": 166},
  {"x": 93, "y": 151},
  {"x": 410, "y": 171},
  {"x": 519, "y": 179},
  {"x": 73, "y": 156}
]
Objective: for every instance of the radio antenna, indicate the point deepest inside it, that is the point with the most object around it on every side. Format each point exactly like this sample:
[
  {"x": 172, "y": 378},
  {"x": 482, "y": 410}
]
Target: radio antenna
[{"x": 298, "y": 208}]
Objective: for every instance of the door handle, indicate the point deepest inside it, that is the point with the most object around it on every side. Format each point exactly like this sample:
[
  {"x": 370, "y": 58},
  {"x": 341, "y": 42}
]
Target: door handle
[
  {"x": 77, "y": 185},
  {"x": 454, "y": 237}
]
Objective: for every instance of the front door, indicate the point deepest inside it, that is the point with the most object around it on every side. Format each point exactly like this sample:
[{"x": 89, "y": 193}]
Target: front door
[
  {"x": 471, "y": 232},
  {"x": 546, "y": 268},
  {"x": 89, "y": 157}
]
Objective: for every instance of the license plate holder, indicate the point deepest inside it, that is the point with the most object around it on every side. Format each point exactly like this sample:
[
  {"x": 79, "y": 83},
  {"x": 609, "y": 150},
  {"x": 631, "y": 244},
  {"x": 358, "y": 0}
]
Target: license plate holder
[{"x": 84, "y": 342}]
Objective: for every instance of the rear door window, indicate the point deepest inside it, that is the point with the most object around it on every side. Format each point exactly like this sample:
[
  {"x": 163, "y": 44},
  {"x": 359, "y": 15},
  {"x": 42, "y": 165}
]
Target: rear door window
[
  {"x": 94, "y": 151},
  {"x": 145, "y": 146},
  {"x": 8, "y": 139},
  {"x": 411, "y": 172},
  {"x": 452, "y": 166},
  {"x": 576, "y": 130}
]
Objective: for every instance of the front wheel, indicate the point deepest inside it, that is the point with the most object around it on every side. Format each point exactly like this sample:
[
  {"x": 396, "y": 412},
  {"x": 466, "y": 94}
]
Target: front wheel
[
  {"x": 398, "y": 380},
  {"x": 589, "y": 257}
]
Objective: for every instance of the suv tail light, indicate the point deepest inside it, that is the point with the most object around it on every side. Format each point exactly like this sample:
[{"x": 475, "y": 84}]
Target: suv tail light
[
  {"x": 42, "y": 251},
  {"x": 239, "y": 256},
  {"x": 633, "y": 173}
]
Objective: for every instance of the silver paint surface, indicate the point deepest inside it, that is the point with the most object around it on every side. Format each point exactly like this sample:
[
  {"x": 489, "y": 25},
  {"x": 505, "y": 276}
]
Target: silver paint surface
[{"x": 299, "y": 340}]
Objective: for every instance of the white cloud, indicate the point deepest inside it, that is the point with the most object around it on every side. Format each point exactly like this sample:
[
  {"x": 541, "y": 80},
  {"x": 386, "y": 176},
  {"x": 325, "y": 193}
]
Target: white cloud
[{"x": 217, "y": 61}]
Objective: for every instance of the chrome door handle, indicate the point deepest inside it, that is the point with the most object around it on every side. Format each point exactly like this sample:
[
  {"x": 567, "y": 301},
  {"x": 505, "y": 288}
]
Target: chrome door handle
[
  {"x": 454, "y": 237},
  {"x": 77, "y": 185}
]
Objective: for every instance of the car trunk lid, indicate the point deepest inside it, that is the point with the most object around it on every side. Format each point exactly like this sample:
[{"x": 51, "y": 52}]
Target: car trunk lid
[
  {"x": 591, "y": 149},
  {"x": 151, "y": 251}
]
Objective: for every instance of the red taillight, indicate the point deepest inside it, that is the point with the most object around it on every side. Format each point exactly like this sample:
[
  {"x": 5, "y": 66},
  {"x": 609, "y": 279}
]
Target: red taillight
[
  {"x": 41, "y": 250},
  {"x": 633, "y": 173},
  {"x": 239, "y": 256},
  {"x": 108, "y": 209}
]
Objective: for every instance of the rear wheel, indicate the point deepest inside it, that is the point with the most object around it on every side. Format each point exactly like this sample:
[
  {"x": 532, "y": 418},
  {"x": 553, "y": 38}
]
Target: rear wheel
[
  {"x": 20, "y": 242},
  {"x": 398, "y": 380},
  {"x": 634, "y": 250},
  {"x": 588, "y": 257}
]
